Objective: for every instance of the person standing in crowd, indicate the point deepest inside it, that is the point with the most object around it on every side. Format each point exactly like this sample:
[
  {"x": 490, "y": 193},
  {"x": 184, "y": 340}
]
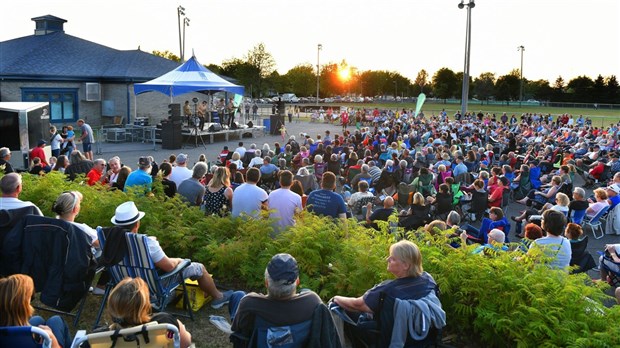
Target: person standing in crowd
[
  {"x": 39, "y": 152},
  {"x": 55, "y": 141},
  {"x": 87, "y": 138}
]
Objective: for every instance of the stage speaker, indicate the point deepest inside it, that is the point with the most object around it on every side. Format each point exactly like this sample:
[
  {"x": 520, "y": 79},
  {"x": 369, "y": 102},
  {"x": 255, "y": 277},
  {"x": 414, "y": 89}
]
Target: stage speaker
[
  {"x": 234, "y": 125},
  {"x": 215, "y": 127},
  {"x": 250, "y": 124}
]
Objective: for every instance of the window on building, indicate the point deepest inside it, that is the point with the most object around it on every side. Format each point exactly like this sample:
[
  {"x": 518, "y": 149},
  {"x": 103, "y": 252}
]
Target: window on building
[{"x": 63, "y": 101}]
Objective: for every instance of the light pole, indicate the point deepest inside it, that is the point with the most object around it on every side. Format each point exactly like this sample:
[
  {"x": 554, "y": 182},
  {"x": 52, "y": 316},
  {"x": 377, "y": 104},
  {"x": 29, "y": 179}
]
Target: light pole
[
  {"x": 180, "y": 12},
  {"x": 465, "y": 94},
  {"x": 521, "y": 48},
  {"x": 395, "y": 90},
  {"x": 185, "y": 24},
  {"x": 318, "y": 73}
]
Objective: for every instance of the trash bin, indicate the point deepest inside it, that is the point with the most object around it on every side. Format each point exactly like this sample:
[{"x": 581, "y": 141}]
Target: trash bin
[{"x": 266, "y": 124}]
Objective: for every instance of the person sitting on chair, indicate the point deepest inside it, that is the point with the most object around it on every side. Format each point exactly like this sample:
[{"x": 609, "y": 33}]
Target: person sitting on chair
[
  {"x": 282, "y": 305},
  {"x": 16, "y": 291},
  {"x": 411, "y": 283},
  {"x": 128, "y": 217},
  {"x": 129, "y": 305}
]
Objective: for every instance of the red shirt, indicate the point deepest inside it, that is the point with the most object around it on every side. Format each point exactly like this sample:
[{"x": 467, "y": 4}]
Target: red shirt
[
  {"x": 495, "y": 199},
  {"x": 597, "y": 171},
  {"x": 93, "y": 177},
  {"x": 38, "y": 152}
]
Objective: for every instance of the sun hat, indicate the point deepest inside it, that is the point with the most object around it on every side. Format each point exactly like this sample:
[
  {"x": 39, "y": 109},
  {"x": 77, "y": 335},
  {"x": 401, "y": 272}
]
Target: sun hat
[
  {"x": 614, "y": 187},
  {"x": 283, "y": 267},
  {"x": 127, "y": 214}
]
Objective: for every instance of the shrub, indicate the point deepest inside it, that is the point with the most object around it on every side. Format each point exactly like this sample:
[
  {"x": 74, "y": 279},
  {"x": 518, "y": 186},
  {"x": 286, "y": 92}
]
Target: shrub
[{"x": 491, "y": 301}]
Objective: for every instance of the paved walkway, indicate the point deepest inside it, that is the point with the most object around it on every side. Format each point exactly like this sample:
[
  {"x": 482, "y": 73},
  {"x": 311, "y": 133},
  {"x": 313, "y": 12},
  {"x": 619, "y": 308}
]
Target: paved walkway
[{"x": 130, "y": 152}]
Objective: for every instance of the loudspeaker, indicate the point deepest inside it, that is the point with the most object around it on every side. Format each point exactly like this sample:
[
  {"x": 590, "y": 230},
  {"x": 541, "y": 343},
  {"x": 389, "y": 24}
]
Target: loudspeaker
[
  {"x": 234, "y": 125},
  {"x": 216, "y": 127},
  {"x": 250, "y": 124}
]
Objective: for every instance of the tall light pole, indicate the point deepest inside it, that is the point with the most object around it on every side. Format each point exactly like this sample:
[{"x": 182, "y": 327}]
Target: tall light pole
[
  {"x": 465, "y": 95},
  {"x": 521, "y": 48},
  {"x": 185, "y": 24},
  {"x": 318, "y": 72},
  {"x": 180, "y": 12},
  {"x": 395, "y": 89}
]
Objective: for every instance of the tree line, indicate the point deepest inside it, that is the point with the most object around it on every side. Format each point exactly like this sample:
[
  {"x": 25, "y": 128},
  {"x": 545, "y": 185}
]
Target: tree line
[{"x": 257, "y": 72}]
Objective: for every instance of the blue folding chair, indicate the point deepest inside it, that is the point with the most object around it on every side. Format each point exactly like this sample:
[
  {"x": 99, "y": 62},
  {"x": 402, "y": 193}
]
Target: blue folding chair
[
  {"x": 24, "y": 337},
  {"x": 577, "y": 216},
  {"x": 595, "y": 223},
  {"x": 138, "y": 264}
]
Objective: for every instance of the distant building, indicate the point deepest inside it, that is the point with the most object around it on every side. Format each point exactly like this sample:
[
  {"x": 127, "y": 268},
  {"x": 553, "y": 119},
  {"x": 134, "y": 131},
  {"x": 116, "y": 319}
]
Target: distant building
[{"x": 80, "y": 78}]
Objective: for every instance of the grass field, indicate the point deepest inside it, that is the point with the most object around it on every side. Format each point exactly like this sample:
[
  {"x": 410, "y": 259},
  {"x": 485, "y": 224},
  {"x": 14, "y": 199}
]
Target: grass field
[{"x": 600, "y": 117}]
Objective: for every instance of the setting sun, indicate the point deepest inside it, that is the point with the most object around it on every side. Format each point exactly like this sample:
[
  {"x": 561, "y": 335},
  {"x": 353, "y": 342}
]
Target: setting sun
[{"x": 344, "y": 72}]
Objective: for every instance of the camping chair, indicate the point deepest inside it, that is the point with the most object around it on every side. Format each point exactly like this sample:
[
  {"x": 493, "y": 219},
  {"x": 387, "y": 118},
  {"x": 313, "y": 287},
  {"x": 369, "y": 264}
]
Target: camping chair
[
  {"x": 24, "y": 337},
  {"x": 377, "y": 333},
  {"x": 138, "y": 263},
  {"x": 290, "y": 335},
  {"x": 580, "y": 256},
  {"x": 595, "y": 222},
  {"x": 57, "y": 256},
  {"x": 357, "y": 208},
  {"x": 577, "y": 216},
  {"x": 268, "y": 181},
  {"x": 150, "y": 335}
]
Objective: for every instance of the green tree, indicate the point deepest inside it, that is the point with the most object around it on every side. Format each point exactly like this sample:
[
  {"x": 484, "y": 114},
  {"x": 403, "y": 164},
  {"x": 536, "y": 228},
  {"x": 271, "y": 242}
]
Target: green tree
[
  {"x": 558, "y": 89},
  {"x": 167, "y": 54},
  {"x": 580, "y": 89},
  {"x": 484, "y": 85},
  {"x": 444, "y": 83},
  {"x": 262, "y": 61},
  {"x": 507, "y": 86},
  {"x": 420, "y": 81},
  {"x": 598, "y": 90},
  {"x": 245, "y": 73},
  {"x": 540, "y": 90},
  {"x": 301, "y": 80},
  {"x": 613, "y": 91}
]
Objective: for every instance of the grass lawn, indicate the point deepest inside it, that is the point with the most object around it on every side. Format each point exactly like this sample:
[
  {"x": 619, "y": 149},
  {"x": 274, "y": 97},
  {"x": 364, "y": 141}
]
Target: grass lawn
[{"x": 600, "y": 117}]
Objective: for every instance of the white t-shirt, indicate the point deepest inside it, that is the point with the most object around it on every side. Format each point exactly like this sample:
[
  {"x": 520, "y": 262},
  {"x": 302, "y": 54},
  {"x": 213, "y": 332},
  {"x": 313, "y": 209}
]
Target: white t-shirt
[
  {"x": 282, "y": 205},
  {"x": 8, "y": 203},
  {"x": 247, "y": 199},
  {"x": 180, "y": 174},
  {"x": 155, "y": 250},
  {"x": 55, "y": 143},
  {"x": 558, "y": 248}
]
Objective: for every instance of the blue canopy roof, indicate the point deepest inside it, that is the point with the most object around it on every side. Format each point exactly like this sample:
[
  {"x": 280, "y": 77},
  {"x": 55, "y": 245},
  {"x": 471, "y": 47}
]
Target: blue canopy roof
[{"x": 191, "y": 76}]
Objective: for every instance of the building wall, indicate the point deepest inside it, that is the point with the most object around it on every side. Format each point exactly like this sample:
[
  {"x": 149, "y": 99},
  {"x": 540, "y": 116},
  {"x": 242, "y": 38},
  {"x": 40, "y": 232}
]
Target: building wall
[{"x": 151, "y": 105}]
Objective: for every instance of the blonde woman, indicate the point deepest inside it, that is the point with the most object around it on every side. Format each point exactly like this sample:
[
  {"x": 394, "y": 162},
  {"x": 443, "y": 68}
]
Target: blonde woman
[
  {"x": 236, "y": 159},
  {"x": 16, "y": 291},
  {"x": 418, "y": 213},
  {"x": 129, "y": 305},
  {"x": 218, "y": 193},
  {"x": 412, "y": 283}
]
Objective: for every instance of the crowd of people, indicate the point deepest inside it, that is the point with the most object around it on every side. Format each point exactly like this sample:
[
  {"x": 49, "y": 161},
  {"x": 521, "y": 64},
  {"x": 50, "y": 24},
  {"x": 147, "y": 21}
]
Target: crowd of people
[{"x": 438, "y": 171}]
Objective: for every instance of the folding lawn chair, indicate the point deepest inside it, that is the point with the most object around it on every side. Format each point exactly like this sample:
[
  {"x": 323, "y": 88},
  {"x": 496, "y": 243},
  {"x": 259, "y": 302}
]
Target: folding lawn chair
[{"x": 138, "y": 263}]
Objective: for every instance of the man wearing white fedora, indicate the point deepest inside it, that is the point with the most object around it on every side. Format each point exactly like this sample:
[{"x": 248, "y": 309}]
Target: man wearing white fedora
[{"x": 128, "y": 217}]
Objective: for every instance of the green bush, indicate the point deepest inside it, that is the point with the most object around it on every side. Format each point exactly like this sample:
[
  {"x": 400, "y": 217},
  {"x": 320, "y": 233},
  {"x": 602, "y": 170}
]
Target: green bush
[{"x": 491, "y": 301}]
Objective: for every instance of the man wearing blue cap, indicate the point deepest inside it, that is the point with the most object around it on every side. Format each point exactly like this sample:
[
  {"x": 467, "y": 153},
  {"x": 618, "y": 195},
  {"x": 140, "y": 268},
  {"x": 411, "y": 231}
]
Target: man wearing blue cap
[{"x": 283, "y": 306}]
